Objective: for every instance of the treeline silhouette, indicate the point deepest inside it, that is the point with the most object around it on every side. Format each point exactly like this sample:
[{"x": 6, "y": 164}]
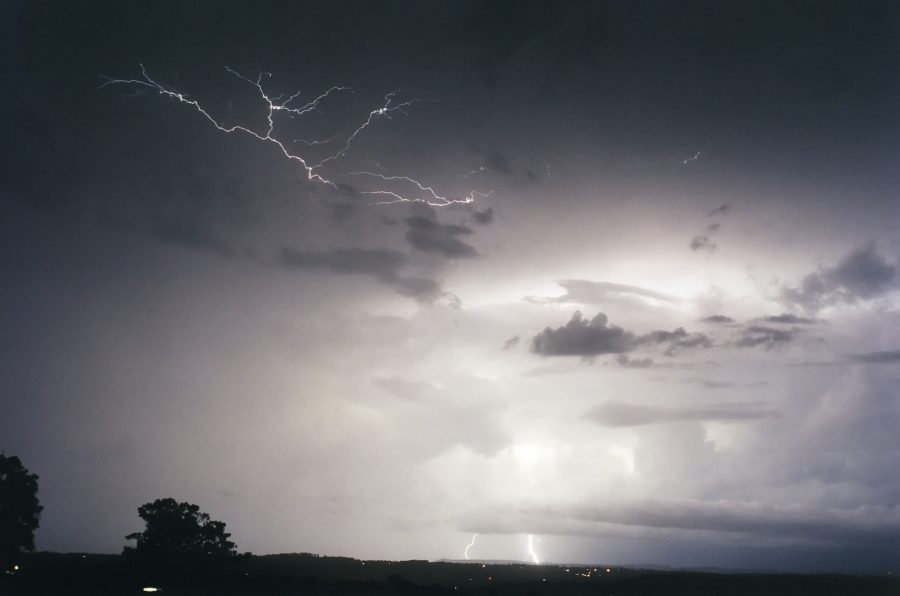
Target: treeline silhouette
[
  {"x": 90, "y": 575},
  {"x": 182, "y": 550}
]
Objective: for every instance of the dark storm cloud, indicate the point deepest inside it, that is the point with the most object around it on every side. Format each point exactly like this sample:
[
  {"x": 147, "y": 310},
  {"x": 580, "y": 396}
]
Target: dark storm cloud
[
  {"x": 382, "y": 264},
  {"x": 582, "y": 337},
  {"x": 584, "y": 291},
  {"x": 789, "y": 319},
  {"x": 864, "y": 524},
  {"x": 483, "y": 217},
  {"x": 713, "y": 384},
  {"x": 426, "y": 234},
  {"x": 422, "y": 290},
  {"x": 618, "y": 414},
  {"x": 861, "y": 275},
  {"x": 702, "y": 242},
  {"x": 677, "y": 339},
  {"x": 497, "y": 163},
  {"x": 717, "y": 320},
  {"x": 768, "y": 337},
  {"x": 511, "y": 343},
  {"x": 720, "y": 210},
  {"x": 588, "y": 338},
  {"x": 340, "y": 212},
  {"x": 188, "y": 231},
  {"x": 197, "y": 211},
  {"x": 884, "y": 357},
  {"x": 626, "y": 362}
]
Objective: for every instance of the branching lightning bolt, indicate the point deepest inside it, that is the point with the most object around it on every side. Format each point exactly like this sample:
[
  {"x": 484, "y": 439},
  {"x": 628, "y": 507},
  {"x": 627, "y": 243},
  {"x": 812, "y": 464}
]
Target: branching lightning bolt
[
  {"x": 393, "y": 102},
  {"x": 694, "y": 157},
  {"x": 469, "y": 546},
  {"x": 434, "y": 199}
]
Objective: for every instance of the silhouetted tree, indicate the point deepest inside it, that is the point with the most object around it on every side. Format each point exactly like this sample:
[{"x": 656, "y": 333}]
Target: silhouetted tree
[
  {"x": 179, "y": 529},
  {"x": 20, "y": 510}
]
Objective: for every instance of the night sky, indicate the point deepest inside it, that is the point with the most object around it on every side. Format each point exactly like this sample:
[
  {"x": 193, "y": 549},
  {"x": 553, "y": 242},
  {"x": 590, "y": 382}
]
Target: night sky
[{"x": 621, "y": 276}]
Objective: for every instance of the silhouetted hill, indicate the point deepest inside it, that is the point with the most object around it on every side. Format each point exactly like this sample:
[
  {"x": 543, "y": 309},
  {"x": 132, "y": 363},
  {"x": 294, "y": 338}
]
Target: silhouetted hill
[{"x": 86, "y": 574}]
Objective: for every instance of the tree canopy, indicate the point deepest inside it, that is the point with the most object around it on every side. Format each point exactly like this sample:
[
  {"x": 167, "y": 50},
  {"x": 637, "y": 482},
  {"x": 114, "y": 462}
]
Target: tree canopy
[
  {"x": 20, "y": 510},
  {"x": 178, "y": 529}
]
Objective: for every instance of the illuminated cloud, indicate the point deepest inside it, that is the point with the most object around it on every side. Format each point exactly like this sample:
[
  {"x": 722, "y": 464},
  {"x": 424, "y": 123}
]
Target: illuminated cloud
[{"x": 582, "y": 291}]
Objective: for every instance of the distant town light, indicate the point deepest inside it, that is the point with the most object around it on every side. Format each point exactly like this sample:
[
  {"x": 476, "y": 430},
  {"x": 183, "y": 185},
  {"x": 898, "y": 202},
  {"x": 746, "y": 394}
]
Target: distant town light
[{"x": 150, "y": 589}]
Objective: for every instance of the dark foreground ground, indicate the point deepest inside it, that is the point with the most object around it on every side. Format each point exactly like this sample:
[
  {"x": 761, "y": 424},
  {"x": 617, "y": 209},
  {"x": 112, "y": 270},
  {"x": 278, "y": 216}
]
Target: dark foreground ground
[{"x": 76, "y": 574}]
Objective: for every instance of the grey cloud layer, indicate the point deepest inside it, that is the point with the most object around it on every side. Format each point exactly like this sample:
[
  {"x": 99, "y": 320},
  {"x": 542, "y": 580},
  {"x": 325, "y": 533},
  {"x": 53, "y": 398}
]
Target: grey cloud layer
[
  {"x": 860, "y": 524},
  {"x": 617, "y": 413},
  {"x": 717, "y": 319},
  {"x": 382, "y": 264},
  {"x": 587, "y": 338},
  {"x": 861, "y": 275},
  {"x": 883, "y": 357},
  {"x": 428, "y": 235},
  {"x": 758, "y": 335}
]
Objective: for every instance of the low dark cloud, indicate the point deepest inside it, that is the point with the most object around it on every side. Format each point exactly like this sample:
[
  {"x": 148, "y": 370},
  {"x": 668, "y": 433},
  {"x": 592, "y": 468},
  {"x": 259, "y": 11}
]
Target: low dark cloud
[
  {"x": 759, "y": 335},
  {"x": 378, "y": 262},
  {"x": 582, "y": 337},
  {"x": 789, "y": 319},
  {"x": 676, "y": 340},
  {"x": 511, "y": 343},
  {"x": 618, "y": 414},
  {"x": 382, "y": 264},
  {"x": 190, "y": 232},
  {"x": 717, "y": 320},
  {"x": 426, "y": 234},
  {"x": 884, "y": 357},
  {"x": 340, "y": 212},
  {"x": 626, "y": 362},
  {"x": 862, "y": 524},
  {"x": 720, "y": 210},
  {"x": 861, "y": 275},
  {"x": 422, "y": 290},
  {"x": 483, "y": 217},
  {"x": 714, "y": 384},
  {"x": 588, "y": 338},
  {"x": 702, "y": 242},
  {"x": 496, "y": 162},
  {"x": 582, "y": 291}
]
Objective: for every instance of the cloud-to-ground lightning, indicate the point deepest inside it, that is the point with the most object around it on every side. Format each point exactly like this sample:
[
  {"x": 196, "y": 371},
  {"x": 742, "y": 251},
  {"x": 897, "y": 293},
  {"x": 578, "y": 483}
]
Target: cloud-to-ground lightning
[
  {"x": 394, "y": 102},
  {"x": 531, "y": 552},
  {"x": 469, "y": 546}
]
